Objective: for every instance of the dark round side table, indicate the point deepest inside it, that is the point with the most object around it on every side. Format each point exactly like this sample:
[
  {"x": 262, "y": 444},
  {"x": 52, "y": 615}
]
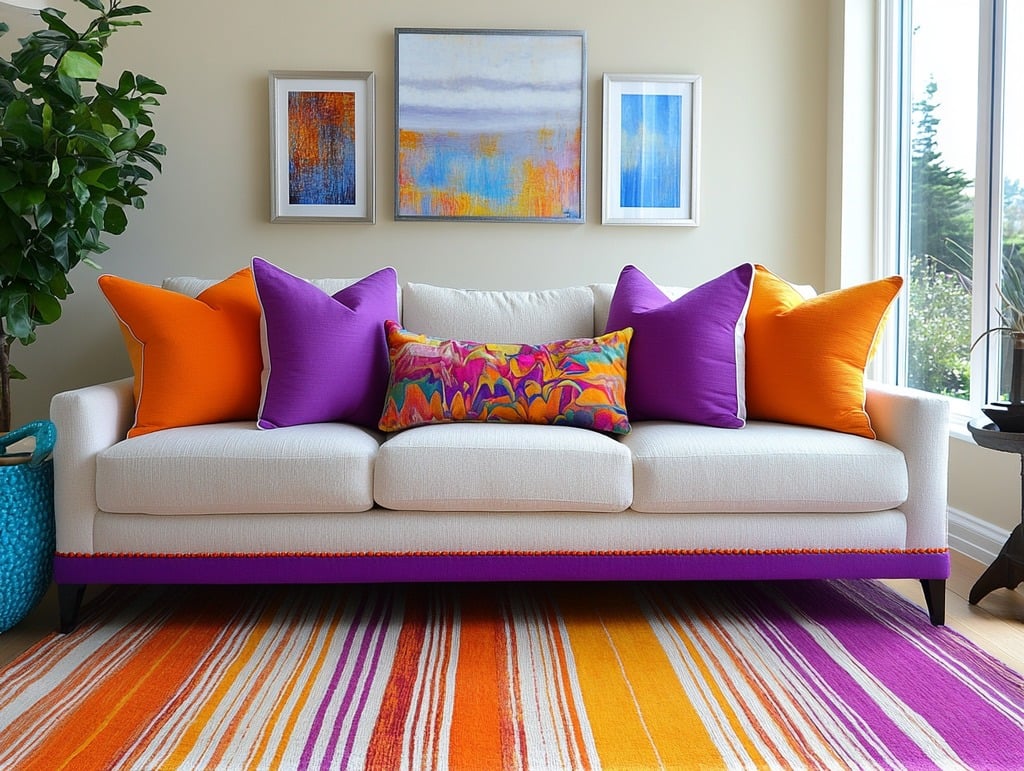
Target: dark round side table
[{"x": 1008, "y": 569}]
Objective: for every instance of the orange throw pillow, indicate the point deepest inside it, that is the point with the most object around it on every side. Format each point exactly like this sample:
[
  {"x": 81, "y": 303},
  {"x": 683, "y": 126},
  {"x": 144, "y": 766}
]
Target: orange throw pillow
[
  {"x": 806, "y": 357},
  {"x": 196, "y": 360}
]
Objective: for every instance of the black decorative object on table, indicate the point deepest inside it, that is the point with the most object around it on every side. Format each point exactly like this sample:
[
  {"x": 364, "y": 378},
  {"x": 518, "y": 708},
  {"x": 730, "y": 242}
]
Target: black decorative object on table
[
  {"x": 1009, "y": 415},
  {"x": 1008, "y": 569}
]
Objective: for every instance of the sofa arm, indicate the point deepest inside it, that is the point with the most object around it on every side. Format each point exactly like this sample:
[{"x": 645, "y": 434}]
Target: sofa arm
[
  {"x": 88, "y": 421},
  {"x": 917, "y": 423}
]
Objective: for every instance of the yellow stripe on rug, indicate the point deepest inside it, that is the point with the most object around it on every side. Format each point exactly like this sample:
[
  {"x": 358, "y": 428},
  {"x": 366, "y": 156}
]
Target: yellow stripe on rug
[{"x": 637, "y": 710}]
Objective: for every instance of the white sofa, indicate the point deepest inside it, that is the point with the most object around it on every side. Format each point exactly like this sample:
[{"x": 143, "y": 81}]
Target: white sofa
[{"x": 331, "y": 502}]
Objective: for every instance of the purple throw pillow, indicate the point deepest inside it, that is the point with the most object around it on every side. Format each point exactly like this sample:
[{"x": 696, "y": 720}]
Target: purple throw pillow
[
  {"x": 325, "y": 358},
  {"x": 686, "y": 359}
]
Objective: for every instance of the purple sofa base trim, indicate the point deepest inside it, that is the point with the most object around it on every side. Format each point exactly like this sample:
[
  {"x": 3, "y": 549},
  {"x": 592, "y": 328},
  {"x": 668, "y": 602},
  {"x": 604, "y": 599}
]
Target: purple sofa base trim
[{"x": 388, "y": 568}]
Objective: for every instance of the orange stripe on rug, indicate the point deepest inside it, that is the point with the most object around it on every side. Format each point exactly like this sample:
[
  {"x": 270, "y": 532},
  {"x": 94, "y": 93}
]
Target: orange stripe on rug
[
  {"x": 483, "y": 733},
  {"x": 107, "y": 719},
  {"x": 639, "y": 715},
  {"x": 386, "y": 749}
]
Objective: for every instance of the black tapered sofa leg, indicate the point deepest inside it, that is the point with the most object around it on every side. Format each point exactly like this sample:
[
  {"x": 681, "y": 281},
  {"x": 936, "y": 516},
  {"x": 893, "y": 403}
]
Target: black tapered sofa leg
[
  {"x": 935, "y": 599},
  {"x": 69, "y": 599}
]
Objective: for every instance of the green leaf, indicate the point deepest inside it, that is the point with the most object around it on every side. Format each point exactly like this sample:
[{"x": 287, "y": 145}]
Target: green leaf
[
  {"x": 97, "y": 142},
  {"x": 15, "y": 112},
  {"x": 80, "y": 66},
  {"x": 96, "y": 5},
  {"x": 56, "y": 22},
  {"x": 148, "y": 85},
  {"x": 80, "y": 189},
  {"x": 13, "y": 372},
  {"x": 8, "y": 179},
  {"x": 18, "y": 313},
  {"x": 104, "y": 177},
  {"x": 47, "y": 116},
  {"x": 115, "y": 220},
  {"x": 126, "y": 84},
  {"x": 47, "y": 307},
  {"x": 70, "y": 86},
  {"x": 124, "y": 141},
  {"x": 127, "y": 10},
  {"x": 15, "y": 200},
  {"x": 54, "y": 171},
  {"x": 44, "y": 215},
  {"x": 60, "y": 250},
  {"x": 97, "y": 213}
]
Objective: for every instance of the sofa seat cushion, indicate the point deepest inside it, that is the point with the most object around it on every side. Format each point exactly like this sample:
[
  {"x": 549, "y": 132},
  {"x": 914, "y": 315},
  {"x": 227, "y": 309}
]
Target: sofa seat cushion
[
  {"x": 226, "y": 468},
  {"x": 503, "y": 467},
  {"x": 765, "y": 467}
]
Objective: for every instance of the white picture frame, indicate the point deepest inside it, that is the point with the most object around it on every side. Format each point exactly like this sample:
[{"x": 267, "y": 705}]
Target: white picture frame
[
  {"x": 651, "y": 150},
  {"x": 329, "y": 183}
]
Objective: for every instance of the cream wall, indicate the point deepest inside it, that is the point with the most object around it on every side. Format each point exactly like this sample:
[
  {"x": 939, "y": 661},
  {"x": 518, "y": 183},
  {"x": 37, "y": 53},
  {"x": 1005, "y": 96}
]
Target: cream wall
[
  {"x": 763, "y": 181},
  {"x": 985, "y": 484}
]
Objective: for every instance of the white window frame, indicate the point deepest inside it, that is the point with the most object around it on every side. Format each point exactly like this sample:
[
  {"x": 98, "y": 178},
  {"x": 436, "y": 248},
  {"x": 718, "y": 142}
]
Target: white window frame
[{"x": 893, "y": 199}]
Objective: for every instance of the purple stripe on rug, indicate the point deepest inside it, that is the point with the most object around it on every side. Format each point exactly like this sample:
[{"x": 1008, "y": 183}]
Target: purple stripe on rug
[
  {"x": 849, "y": 702},
  {"x": 977, "y": 731},
  {"x": 321, "y": 713},
  {"x": 364, "y": 693}
]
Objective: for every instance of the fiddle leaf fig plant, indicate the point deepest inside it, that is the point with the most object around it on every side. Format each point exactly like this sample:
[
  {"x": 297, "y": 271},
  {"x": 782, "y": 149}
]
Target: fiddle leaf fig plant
[{"x": 75, "y": 156}]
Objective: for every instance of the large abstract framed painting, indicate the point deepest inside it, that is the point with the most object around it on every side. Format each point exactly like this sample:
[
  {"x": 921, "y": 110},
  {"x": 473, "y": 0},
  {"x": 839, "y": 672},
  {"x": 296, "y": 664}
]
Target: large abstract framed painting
[
  {"x": 651, "y": 171},
  {"x": 321, "y": 146},
  {"x": 490, "y": 125}
]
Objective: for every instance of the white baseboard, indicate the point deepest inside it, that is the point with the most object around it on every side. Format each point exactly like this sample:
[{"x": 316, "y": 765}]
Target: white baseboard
[{"x": 975, "y": 537}]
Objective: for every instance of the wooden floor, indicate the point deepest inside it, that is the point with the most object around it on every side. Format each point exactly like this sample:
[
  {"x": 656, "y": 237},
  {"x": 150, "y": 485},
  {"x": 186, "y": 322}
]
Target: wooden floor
[{"x": 996, "y": 624}]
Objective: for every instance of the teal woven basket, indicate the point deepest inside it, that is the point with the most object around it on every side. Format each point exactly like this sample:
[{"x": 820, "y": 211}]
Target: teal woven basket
[{"x": 26, "y": 522}]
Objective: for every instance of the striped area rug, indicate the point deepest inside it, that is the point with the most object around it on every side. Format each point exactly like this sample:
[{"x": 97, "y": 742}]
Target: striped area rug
[{"x": 785, "y": 675}]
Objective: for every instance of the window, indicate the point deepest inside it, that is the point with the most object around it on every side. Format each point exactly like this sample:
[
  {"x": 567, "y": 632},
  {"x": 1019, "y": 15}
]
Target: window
[{"x": 956, "y": 80}]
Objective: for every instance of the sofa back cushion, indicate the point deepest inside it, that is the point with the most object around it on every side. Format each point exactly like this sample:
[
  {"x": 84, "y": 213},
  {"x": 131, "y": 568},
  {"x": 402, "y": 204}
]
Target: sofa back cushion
[
  {"x": 530, "y": 317},
  {"x": 192, "y": 286}
]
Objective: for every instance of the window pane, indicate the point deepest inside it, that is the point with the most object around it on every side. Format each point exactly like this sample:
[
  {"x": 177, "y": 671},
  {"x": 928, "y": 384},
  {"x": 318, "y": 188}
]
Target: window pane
[
  {"x": 943, "y": 132},
  {"x": 1013, "y": 172}
]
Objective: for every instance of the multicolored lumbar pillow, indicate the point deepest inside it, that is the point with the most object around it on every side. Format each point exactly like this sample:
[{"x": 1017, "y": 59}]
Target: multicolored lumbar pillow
[
  {"x": 195, "y": 360},
  {"x": 570, "y": 382},
  {"x": 806, "y": 357},
  {"x": 686, "y": 358},
  {"x": 325, "y": 356}
]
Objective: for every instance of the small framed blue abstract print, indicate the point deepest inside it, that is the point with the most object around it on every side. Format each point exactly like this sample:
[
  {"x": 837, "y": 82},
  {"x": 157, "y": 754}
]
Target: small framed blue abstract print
[
  {"x": 321, "y": 146},
  {"x": 651, "y": 170}
]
